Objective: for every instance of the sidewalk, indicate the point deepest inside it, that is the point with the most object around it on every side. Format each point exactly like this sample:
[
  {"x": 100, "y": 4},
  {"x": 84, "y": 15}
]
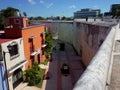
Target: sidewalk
[
  {"x": 58, "y": 81},
  {"x": 115, "y": 73}
]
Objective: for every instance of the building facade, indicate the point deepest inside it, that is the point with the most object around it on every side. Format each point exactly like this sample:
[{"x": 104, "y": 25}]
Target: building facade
[
  {"x": 12, "y": 55},
  {"x": 3, "y": 79},
  {"x": 87, "y": 13},
  {"x": 33, "y": 38}
]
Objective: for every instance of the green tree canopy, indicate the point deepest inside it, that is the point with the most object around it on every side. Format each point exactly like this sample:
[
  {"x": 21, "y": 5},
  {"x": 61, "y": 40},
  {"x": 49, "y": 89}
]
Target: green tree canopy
[
  {"x": 8, "y": 12},
  {"x": 116, "y": 12}
]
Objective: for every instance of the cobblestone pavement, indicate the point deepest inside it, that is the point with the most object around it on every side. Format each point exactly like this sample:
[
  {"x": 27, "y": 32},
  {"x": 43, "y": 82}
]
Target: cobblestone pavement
[{"x": 58, "y": 81}]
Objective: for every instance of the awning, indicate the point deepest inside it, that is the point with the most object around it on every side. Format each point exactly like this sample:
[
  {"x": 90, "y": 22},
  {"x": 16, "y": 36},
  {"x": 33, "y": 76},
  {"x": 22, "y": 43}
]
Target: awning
[
  {"x": 12, "y": 69},
  {"x": 38, "y": 52},
  {"x": 44, "y": 45},
  {"x": 32, "y": 37},
  {"x": 33, "y": 53}
]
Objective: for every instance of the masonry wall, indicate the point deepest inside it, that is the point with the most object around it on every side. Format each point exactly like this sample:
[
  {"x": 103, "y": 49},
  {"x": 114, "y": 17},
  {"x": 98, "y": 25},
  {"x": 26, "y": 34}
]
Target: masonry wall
[
  {"x": 85, "y": 37},
  {"x": 95, "y": 77},
  {"x": 88, "y": 39}
]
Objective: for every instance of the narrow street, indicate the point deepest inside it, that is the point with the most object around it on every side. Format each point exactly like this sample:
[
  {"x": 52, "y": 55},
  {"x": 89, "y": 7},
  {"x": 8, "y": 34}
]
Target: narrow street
[{"x": 58, "y": 81}]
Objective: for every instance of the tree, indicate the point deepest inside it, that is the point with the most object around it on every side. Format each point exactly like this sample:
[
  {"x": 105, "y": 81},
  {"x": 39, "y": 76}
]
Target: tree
[
  {"x": 49, "y": 42},
  {"x": 6, "y": 13},
  {"x": 31, "y": 18},
  {"x": 58, "y": 17},
  {"x": 63, "y": 18},
  {"x": 39, "y": 18},
  {"x": 116, "y": 11}
]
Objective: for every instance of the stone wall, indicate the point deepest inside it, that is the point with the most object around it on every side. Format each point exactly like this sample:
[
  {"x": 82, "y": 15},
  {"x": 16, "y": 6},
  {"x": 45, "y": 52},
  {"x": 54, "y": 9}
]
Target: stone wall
[
  {"x": 86, "y": 37},
  {"x": 89, "y": 38},
  {"x": 95, "y": 76}
]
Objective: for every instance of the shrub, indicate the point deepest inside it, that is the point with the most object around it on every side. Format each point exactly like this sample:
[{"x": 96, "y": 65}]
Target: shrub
[
  {"x": 33, "y": 75},
  {"x": 49, "y": 42}
]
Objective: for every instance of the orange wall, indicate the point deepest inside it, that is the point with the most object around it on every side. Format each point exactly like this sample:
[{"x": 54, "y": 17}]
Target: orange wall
[
  {"x": 26, "y": 34},
  {"x": 23, "y": 30}
]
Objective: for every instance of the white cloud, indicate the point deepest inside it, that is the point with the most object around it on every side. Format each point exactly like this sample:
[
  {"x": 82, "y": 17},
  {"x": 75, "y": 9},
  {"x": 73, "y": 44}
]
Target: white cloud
[
  {"x": 32, "y": 2},
  {"x": 95, "y": 7},
  {"x": 41, "y": 1},
  {"x": 72, "y": 7},
  {"x": 47, "y": 5}
]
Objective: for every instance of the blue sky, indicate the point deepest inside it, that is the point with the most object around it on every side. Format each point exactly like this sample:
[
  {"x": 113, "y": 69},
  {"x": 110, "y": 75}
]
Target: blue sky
[{"x": 48, "y": 8}]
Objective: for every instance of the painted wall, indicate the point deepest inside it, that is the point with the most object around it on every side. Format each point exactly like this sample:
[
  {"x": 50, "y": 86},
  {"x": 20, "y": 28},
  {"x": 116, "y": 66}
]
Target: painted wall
[
  {"x": 3, "y": 79},
  {"x": 37, "y": 42},
  {"x": 10, "y": 63},
  {"x": 24, "y": 30}
]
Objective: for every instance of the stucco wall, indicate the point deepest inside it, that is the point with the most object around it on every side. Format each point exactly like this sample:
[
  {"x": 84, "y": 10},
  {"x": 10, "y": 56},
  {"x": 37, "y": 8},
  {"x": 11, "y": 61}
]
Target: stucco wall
[
  {"x": 12, "y": 62},
  {"x": 86, "y": 37}
]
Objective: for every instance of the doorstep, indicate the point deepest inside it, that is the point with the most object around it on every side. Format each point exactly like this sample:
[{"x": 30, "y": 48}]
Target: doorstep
[{"x": 21, "y": 86}]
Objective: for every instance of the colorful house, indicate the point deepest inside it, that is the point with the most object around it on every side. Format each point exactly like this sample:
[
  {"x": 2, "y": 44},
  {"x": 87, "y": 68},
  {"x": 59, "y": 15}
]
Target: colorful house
[
  {"x": 33, "y": 38},
  {"x": 3, "y": 79},
  {"x": 13, "y": 62}
]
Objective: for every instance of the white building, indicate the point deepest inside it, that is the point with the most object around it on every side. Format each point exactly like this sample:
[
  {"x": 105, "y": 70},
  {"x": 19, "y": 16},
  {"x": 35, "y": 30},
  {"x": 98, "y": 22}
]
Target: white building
[{"x": 12, "y": 54}]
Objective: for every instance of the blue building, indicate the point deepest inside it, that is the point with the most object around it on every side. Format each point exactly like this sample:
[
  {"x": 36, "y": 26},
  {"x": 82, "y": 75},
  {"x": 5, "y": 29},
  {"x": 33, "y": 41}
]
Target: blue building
[{"x": 3, "y": 78}]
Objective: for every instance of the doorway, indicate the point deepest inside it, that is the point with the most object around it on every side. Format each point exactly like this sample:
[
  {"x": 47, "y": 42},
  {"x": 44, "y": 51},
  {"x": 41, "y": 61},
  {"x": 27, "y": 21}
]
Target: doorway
[
  {"x": 38, "y": 58},
  {"x": 17, "y": 78}
]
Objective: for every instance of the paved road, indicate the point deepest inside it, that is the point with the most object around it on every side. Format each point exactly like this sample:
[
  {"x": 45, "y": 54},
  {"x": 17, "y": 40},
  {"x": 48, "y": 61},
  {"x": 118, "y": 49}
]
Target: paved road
[{"x": 59, "y": 81}]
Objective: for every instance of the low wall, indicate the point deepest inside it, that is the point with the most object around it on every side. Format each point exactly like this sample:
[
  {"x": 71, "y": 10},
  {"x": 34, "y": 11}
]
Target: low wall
[{"x": 95, "y": 76}]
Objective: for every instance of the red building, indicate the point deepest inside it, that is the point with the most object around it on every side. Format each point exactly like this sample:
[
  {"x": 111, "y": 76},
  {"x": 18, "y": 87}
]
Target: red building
[{"x": 33, "y": 38}]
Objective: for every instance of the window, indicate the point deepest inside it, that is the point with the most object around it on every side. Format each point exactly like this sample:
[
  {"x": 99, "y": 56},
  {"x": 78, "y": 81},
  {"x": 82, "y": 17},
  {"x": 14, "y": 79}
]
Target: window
[
  {"x": 17, "y": 21},
  {"x": 32, "y": 59},
  {"x": 13, "y": 50},
  {"x": 42, "y": 39},
  {"x": 43, "y": 51}
]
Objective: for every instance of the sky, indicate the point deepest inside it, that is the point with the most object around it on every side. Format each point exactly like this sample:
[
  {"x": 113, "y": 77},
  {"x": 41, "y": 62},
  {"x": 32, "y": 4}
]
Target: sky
[{"x": 47, "y": 8}]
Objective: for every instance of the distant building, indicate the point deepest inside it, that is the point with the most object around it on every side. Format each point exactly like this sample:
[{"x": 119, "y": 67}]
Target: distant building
[
  {"x": 33, "y": 38},
  {"x": 87, "y": 13}
]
